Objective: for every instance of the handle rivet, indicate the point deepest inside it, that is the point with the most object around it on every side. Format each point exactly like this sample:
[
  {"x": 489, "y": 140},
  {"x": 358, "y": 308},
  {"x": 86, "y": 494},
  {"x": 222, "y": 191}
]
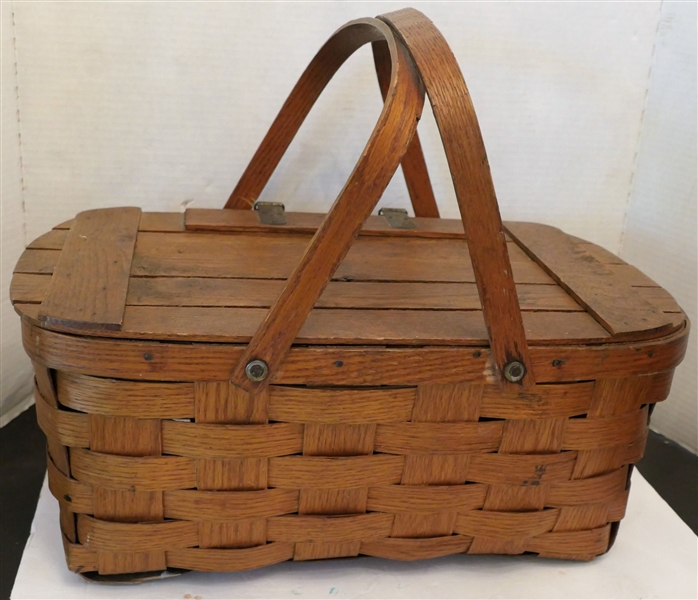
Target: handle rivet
[
  {"x": 256, "y": 370},
  {"x": 514, "y": 371}
]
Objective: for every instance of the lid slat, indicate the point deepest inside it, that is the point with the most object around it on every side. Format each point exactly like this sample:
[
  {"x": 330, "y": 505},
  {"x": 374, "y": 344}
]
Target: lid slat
[
  {"x": 229, "y": 220},
  {"x": 89, "y": 285},
  {"x": 619, "y": 308}
]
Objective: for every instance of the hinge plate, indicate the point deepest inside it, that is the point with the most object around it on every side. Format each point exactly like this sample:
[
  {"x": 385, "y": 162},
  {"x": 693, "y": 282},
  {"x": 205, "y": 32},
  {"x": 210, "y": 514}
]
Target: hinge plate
[
  {"x": 271, "y": 213},
  {"x": 397, "y": 218}
]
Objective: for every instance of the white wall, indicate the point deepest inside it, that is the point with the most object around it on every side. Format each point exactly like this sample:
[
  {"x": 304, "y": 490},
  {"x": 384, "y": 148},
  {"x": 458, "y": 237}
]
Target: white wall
[
  {"x": 660, "y": 233},
  {"x": 159, "y": 103},
  {"x": 163, "y": 104},
  {"x": 15, "y": 368}
]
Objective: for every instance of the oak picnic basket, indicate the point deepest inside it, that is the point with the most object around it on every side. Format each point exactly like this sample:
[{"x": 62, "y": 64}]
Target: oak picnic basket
[{"x": 227, "y": 389}]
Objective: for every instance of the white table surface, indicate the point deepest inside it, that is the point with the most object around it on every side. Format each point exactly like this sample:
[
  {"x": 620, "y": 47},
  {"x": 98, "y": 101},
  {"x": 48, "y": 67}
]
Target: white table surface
[{"x": 655, "y": 556}]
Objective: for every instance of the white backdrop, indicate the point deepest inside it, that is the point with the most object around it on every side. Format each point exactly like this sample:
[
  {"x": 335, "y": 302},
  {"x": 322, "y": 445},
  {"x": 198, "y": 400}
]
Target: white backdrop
[{"x": 161, "y": 104}]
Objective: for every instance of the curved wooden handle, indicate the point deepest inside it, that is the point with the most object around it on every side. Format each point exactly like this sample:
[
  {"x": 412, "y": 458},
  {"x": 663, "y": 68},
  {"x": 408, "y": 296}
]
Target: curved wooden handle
[
  {"x": 379, "y": 160},
  {"x": 470, "y": 171},
  {"x": 465, "y": 151},
  {"x": 297, "y": 107}
]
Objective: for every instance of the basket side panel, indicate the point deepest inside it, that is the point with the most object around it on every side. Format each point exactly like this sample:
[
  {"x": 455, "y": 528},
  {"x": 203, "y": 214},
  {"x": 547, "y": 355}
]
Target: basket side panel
[{"x": 197, "y": 475}]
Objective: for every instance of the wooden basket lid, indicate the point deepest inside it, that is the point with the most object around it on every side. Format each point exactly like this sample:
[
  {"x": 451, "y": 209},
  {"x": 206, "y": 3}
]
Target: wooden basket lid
[{"x": 122, "y": 273}]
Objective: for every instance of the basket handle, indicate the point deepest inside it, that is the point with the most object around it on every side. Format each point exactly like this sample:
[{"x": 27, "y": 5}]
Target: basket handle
[
  {"x": 377, "y": 164},
  {"x": 291, "y": 116},
  {"x": 465, "y": 151}
]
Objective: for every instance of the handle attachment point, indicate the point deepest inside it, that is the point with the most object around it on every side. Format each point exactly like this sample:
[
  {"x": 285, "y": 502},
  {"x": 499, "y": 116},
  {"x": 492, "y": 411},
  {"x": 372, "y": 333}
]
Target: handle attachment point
[
  {"x": 257, "y": 370},
  {"x": 514, "y": 371}
]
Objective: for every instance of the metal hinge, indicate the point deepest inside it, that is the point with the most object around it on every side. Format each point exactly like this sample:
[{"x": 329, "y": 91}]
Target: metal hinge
[
  {"x": 397, "y": 218},
  {"x": 271, "y": 213}
]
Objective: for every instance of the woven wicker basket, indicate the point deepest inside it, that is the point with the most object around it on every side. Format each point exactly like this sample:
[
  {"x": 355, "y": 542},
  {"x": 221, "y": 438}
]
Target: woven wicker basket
[{"x": 228, "y": 389}]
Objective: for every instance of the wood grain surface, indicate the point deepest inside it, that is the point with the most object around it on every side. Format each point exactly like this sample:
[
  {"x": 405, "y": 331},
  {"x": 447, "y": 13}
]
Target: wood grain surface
[
  {"x": 613, "y": 303},
  {"x": 89, "y": 285},
  {"x": 374, "y": 170}
]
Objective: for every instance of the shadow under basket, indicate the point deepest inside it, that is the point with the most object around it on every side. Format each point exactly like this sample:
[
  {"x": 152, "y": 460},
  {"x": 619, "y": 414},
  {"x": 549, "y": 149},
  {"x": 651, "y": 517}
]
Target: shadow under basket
[{"x": 227, "y": 389}]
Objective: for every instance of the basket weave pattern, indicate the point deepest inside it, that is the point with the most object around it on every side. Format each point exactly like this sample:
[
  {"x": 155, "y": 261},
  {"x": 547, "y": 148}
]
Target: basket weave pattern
[{"x": 202, "y": 475}]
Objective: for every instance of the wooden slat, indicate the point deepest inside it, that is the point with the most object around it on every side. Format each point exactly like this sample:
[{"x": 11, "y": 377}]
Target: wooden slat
[
  {"x": 438, "y": 438},
  {"x": 515, "y": 498},
  {"x": 51, "y": 240},
  {"x": 77, "y": 495},
  {"x": 89, "y": 286},
  {"x": 330, "y": 529},
  {"x": 616, "y": 306},
  {"x": 323, "y": 439},
  {"x": 136, "y": 537},
  {"x": 581, "y": 518},
  {"x": 79, "y": 558},
  {"x": 435, "y": 469},
  {"x": 322, "y": 550},
  {"x": 388, "y": 268},
  {"x": 424, "y": 498},
  {"x": 584, "y": 491},
  {"x": 241, "y": 559},
  {"x": 209, "y": 291},
  {"x": 127, "y": 506},
  {"x": 29, "y": 287},
  {"x": 37, "y": 261},
  {"x": 220, "y": 402},
  {"x": 423, "y": 525},
  {"x": 505, "y": 525},
  {"x": 148, "y": 474},
  {"x": 447, "y": 403},
  {"x": 150, "y": 221},
  {"x": 416, "y": 549},
  {"x": 337, "y": 472},
  {"x": 115, "y": 563},
  {"x": 526, "y": 436},
  {"x": 231, "y": 441},
  {"x": 126, "y": 436},
  {"x": 269, "y": 256},
  {"x": 66, "y": 427},
  {"x": 202, "y": 291},
  {"x": 489, "y": 545},
  {"x": 590, "y": 434},
  {"x": 330, "y": 326},
  {"x": 359, "y": 406},
  {"x": 240, "y": 474},
  {"x": 546, "y": 401},
  {"x": 337, "y": 366},
  {"x": 342, "y": 501},
  {"x": 660, "y": 298},
  {"x": 111, "y": 397},
  {"x": 521, "y": 469},
  {"x": 198, "y": 505},
  {"x": 571, "y": 544},
  {"x": 210, "y": 219},
  {"x": 601, "y": 254},
  {"x": 41, "y": 261},
  {"x": 234, "y": 533}
]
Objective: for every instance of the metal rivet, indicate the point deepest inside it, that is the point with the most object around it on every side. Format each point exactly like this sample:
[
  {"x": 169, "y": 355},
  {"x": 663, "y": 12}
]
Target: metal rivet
[
  {"x": 256, "y": 370},
  {"x": 514, "y": 371}
]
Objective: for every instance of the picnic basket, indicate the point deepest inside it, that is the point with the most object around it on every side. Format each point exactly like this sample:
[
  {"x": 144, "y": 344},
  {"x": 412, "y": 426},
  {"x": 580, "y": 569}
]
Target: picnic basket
[{"x": 227, "y": 389}]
